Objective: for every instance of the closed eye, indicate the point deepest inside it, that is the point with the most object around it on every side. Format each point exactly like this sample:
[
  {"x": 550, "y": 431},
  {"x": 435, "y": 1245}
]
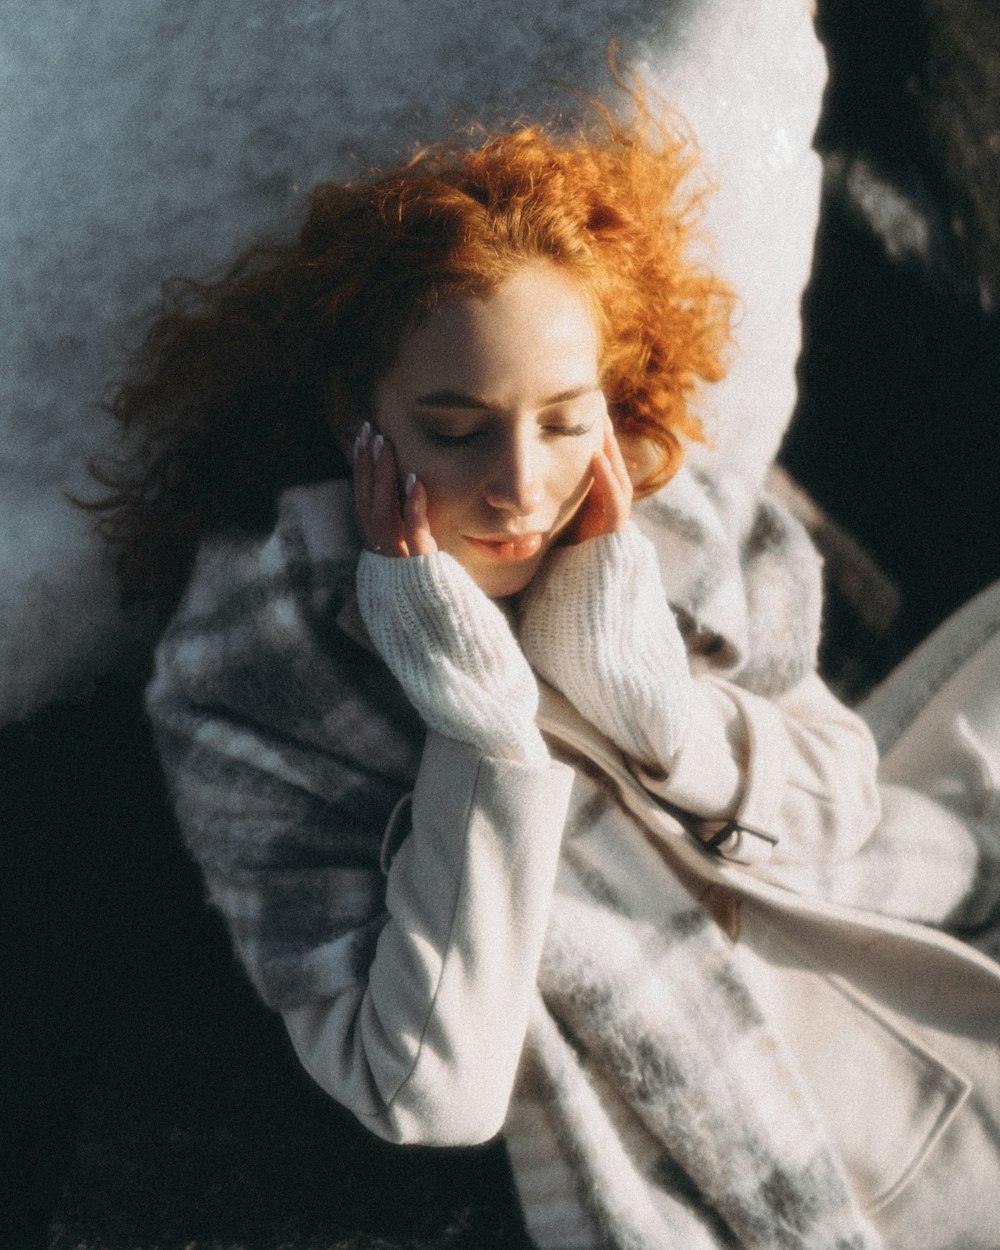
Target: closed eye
[
  {"x": 568, "y": 431},
  {"x": 438, "y": 438}
]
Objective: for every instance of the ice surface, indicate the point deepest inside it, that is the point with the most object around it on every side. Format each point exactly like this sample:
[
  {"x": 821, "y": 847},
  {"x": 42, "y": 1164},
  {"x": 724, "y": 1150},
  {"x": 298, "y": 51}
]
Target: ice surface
[{"x": 144, "y": 140}]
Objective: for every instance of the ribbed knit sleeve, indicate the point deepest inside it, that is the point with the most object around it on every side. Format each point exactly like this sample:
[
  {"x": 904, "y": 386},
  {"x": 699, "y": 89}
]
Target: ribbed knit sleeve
[
  {"x": 596, "y": 625},
  {"x": 453, "y": 652}
]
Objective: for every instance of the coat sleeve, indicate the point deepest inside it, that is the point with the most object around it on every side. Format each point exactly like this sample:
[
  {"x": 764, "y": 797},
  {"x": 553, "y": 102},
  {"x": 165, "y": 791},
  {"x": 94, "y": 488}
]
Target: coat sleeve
[
  {"x": 786, "y": 779},
  {"x": 404, "y": 979},
  {"x": 426, "y": 1049},
  {"x": 386, "y": 888}
]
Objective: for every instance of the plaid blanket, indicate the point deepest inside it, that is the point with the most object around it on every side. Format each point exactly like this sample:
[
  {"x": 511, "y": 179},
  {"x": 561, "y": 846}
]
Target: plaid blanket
[{"x": 287, "y": 745}]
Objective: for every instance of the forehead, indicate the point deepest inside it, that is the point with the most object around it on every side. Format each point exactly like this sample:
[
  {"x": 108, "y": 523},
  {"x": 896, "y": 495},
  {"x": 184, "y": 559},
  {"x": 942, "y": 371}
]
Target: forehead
[{"x": 535, "y": 331}]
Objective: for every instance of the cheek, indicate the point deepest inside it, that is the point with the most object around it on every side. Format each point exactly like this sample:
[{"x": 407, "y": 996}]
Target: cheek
[
  {"x": 442, "y": 515},
  {"x": 440, "y": 474},
  {"x": 450, "y": 491}
]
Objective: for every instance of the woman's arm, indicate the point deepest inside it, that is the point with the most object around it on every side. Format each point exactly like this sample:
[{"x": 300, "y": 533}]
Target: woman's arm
[
  {"x": 596, "y": 624},
  {"x": 794, "y": 775},
  {"x": 426, "y": 1048},
  {"x": 792, "y": 778},
  {"x": 404, "y": 981},
  {"x": 405, "y": 987}
]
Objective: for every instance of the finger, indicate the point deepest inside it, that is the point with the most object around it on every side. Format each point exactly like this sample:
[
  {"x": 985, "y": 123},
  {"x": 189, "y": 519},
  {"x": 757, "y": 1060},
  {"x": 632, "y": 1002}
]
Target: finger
[
  {"x": 386, "y": 520},
  {"x": 613, "y": 451},
  {"x": 416, "y": 525},
  {"x": 591, "y": 520},
  {"x": 611, "y": 498}
]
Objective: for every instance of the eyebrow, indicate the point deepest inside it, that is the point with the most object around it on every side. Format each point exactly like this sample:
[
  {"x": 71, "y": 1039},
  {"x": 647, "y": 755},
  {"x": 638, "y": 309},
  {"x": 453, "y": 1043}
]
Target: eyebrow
[{"x": 457, "y": 399}]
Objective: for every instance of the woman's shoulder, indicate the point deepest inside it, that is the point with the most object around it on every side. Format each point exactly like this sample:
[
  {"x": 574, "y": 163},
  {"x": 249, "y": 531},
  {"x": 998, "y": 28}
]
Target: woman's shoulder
[
  {"x": 264, "y": 637},
  {"x": 320, "y": 517},
  {"x": 266, "y": 597},
  {"x": 742, "y": 574},
  {"x": 309, "y": 556}
]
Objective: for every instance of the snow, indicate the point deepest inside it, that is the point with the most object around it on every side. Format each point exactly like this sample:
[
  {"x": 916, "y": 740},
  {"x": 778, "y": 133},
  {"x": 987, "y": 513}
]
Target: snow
[{"x": 156, "y": 138}]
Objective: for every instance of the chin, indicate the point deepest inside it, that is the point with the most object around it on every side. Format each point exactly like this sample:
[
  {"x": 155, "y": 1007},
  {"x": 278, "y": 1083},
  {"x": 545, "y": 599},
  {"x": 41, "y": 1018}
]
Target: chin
[{"x": 502, "y": 581}]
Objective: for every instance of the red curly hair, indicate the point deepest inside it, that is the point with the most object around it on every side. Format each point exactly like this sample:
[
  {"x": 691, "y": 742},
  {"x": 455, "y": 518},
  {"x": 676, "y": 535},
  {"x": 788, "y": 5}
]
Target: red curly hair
[{"x": 247, "y": 385}]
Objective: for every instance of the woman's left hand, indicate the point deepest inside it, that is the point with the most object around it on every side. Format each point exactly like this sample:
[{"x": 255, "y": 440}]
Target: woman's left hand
[
  {"x": 596, "y": 623},
  {"x": 608, "y": 505}
]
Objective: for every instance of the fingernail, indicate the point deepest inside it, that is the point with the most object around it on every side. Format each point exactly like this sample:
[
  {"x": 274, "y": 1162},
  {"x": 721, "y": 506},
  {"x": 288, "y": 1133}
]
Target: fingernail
[
  {"x": 377, "y": 447},
  {"x": 411, "y": 481},
  {"x": 357, "y": 449}
]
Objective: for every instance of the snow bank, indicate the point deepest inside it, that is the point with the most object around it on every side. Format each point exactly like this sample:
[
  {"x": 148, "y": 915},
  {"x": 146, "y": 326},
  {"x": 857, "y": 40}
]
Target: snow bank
[{"x": 155, "y": 138}]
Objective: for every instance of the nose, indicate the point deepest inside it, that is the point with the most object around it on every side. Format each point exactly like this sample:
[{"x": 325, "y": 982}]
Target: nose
[{"x": 513, "y": 483}]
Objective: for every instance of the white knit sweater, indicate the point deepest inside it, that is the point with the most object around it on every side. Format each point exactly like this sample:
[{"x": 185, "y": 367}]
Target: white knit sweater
[
  {"x": 596, "y": 624},
  {"x": 452, "y": 650}
]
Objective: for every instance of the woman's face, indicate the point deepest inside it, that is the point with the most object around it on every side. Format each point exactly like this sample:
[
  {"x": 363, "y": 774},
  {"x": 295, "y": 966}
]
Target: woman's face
[{"x": 493, "y": 402}]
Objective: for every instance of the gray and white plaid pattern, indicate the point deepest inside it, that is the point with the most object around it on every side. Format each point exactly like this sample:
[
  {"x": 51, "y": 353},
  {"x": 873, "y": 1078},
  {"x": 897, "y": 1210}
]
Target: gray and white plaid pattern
[{"x": 287, "y": 745}]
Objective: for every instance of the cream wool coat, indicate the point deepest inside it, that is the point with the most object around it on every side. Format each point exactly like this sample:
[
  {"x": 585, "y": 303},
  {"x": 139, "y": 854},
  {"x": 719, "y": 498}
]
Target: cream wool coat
[{"x": 894, "y": 1026}]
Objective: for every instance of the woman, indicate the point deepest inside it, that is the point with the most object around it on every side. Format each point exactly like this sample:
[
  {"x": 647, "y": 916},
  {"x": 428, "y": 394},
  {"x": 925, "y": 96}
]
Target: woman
[{"x": 496, "y": 739}]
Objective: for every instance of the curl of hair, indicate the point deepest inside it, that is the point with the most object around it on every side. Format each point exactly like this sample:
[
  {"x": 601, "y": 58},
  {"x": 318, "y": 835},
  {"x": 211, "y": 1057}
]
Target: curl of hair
[{"x": 245, "y": 386}]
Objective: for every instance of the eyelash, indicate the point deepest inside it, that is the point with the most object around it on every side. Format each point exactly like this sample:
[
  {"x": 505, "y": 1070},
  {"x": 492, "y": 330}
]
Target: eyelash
[{"x": 459, "y": 440}]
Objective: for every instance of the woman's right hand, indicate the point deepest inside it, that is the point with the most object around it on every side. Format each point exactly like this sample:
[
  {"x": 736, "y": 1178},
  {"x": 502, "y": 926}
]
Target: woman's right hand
[
  {"x": 449, "y": 646},
  {"x": 386, "y": 528}
]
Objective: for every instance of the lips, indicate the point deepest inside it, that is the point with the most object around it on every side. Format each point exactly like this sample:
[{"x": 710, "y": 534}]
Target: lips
[{"x": 508, "y": 548}]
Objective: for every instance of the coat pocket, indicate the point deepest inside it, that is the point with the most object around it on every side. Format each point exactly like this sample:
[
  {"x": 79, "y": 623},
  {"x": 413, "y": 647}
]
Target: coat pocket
[{"x": 884, "y": 1096}]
